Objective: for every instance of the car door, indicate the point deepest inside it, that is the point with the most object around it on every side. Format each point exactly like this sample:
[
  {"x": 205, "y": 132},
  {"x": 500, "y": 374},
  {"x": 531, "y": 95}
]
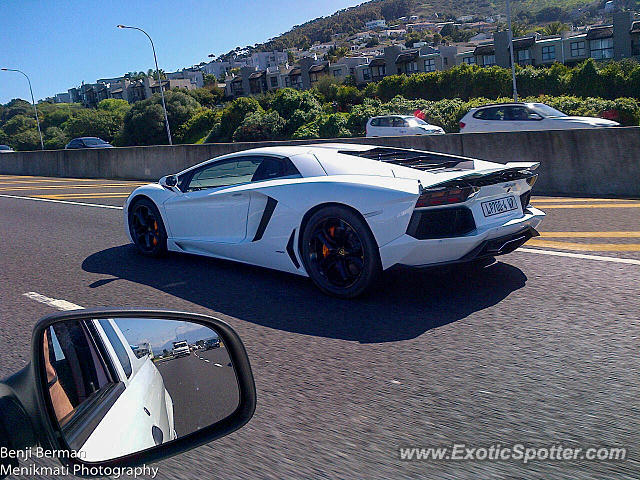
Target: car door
[
  {"x": 211, "y": 209},
  {"x": 520, "y": 118},
  {"x": 400, "y": 126}
]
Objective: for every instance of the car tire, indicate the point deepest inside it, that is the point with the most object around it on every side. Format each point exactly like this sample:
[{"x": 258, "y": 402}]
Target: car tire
[
  {"x": 339, "y": 252},
  {"x": 147, "y": 228}
]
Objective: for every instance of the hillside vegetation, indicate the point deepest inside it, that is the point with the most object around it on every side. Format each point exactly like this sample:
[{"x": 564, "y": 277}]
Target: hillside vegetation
[{"x": 352, "y": 20}]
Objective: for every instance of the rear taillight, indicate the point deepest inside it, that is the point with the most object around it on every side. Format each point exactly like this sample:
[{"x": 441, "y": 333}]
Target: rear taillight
[
  {"x": 462, "y": 125},
  {"x": 444, "y": 196},
  {"x": 532, "y": 180}
]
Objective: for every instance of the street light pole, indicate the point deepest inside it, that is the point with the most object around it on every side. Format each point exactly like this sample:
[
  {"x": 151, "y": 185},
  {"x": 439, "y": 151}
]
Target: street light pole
[
  {"x": 33, "y": 102},
  {"x": 513, "y": 64},
  {"x": 164, "y": 106}
]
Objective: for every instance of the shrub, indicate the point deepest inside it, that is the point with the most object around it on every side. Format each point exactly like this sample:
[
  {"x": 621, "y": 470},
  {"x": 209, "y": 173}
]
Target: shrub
[
  {"x": 259, "y": 126},
  {"x": 198, "y": 126}
]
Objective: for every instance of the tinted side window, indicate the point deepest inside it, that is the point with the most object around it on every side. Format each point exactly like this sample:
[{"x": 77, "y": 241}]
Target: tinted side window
[
  {"x": 272, "y": 167},
  {"x": 399, "y": 122},
  {"x": 375, "y": 122},
  {"x": 496, "y": 113},
  {"x": 516, "y": 113},
  {"x": 225, "y": 173},
  {"x": 120, "y": 349},
  {"x": 386, "y": 122}
]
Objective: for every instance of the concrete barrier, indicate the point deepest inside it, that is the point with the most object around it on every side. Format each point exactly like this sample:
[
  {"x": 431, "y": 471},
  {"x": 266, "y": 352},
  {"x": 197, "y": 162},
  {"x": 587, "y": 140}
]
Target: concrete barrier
[{"x": 604, "y": 162}]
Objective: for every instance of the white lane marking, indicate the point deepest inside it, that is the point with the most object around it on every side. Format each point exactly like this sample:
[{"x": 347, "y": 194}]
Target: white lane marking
[
  {"x": 82, "y": 204},
  {"x": 218, "y": 365},
  {"x": 52, "y": 302},
  {"x": 600, "y": 258}
]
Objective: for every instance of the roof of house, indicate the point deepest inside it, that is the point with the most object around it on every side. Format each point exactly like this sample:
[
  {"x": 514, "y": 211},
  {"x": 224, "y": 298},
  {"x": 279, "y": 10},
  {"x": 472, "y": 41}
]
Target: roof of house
[
  {"x": 488, "y": 49},
  {"x": 604, "y": 31},
  {"x": 318, "y": 68},
  {"x": 256, "y": 74},
  {"x": 295, "y": 71},
  {"x": 521, "y": 43},
  {"x": 377, "y": 62},
  {"x": 407, "y": 56}
]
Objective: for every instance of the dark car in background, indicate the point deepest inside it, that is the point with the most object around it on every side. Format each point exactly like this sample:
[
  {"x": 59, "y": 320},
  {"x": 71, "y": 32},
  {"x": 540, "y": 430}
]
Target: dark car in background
[
  {"x": 87, "y": 142},
  {"x": 5, "y": 149}
]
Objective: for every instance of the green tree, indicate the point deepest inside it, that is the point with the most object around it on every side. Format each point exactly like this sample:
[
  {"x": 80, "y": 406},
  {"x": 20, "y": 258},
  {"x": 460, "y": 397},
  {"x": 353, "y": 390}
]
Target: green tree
[
  {"x": 55, "y": 138},
  {"x": 260, "y": 126},
  {"x": 197, "y": 127},
  {"x": 94, "y": 123},
  {"x": 234, "y": 114},
  {"x": 144, "y": 122}
]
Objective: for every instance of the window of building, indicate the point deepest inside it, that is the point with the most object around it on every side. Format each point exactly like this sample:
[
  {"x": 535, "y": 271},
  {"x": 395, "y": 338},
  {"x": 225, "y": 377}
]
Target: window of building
[
  {"x": 601, "y": 48},
  {"x": 469, "y": 60},
  {"x": 366, "y": 74},
  {"x": 578, "y": 49},
  {"x": 445, "y": 61},
  {"x": 635, "y": 46},
  {"x": 488, "y": 60},
  {"x": 274, "y": 82},
  {"x": 430, "y": 65},
  {"x": 337, "y": 72},
  {"x": 548, "y": 53},
  {"x": 524, "y": 55},
  {"x": 412, "y": 67}
]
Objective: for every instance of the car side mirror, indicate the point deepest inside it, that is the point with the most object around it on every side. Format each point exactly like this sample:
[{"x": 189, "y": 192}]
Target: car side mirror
[
  {"x": 169, "y": 181},
  {"x": 535, "y": 116},
  {"x": 120, "y": 388}
]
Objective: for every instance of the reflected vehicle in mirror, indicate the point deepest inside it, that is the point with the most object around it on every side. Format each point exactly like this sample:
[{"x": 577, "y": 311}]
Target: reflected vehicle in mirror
[
  {"x": 99, "y": 383},
  {"x": 116, "y": 388},
  {"x": 181, "y": 348}
]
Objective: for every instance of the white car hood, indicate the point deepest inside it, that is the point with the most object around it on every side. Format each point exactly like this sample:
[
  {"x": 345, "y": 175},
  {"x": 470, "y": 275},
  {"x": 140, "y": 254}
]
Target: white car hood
[{"x": 593, "y": 121}]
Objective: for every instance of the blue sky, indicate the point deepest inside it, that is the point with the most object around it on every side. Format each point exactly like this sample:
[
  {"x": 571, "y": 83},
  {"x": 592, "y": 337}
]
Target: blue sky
[{"x": 60, "y": 43}]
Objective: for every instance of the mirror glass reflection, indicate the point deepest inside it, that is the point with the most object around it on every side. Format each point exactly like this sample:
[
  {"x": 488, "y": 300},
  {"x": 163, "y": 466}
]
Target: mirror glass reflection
[{"x": 123, "y": 385}]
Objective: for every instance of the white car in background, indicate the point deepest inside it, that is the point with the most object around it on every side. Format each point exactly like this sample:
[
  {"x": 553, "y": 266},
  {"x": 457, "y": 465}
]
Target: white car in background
[
  {"x": 399, "y": 125},
  {"x": 509, "y": 117}
]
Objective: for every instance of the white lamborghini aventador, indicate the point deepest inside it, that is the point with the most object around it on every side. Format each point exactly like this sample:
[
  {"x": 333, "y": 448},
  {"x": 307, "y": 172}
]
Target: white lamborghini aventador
[{"x": 338, "y": 213}]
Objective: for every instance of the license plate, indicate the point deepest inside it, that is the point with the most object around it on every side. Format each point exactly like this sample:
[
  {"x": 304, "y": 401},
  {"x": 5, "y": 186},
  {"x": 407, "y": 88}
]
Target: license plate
[{"x": 501, "y": 205}]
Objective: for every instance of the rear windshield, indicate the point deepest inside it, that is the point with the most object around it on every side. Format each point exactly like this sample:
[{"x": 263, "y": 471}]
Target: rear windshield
[{"x": 180, "y": 344}]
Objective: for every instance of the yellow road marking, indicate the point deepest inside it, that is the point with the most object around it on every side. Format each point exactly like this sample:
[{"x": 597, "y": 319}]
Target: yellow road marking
[
  {"x": 586, "y": 247},
  {"x": 604, "y": 205},
  {"x": 589, "y": 234},
  {"x": 567, "y": 200},
  {"x": 63, "y": 196},
  {"x": 62, "y": 180},
  {"x": 49, "y": 187}
]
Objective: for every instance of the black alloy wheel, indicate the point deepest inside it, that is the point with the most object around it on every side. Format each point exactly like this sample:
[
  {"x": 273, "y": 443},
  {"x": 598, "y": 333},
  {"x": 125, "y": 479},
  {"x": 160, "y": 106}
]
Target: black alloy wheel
[
  {"x": 340, "y": 252},
  {"x": 147, "y": 229}
]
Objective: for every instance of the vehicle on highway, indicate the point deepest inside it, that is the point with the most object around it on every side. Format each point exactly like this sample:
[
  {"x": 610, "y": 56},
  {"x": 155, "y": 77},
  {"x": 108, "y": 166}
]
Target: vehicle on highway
[
  {"x": 5, "y": 149},
  {"x": 87, "y": 142},
  {"x": 211, "y": 343},
  {"x": 338, "y": 213},
  {"x": 181, "y": 349},
  {"x": 508, "y": 117},
  {"x": 143, "y": 387},
  {"x": 398, "y": 125},
  {"x": 86, "y": 398}
]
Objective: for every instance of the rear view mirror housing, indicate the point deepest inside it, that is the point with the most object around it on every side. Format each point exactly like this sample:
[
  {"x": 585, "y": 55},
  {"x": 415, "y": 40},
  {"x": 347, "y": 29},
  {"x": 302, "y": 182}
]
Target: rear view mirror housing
[
  {"x": 26, "y": 397},
  {"x": 169, "y": 181}
]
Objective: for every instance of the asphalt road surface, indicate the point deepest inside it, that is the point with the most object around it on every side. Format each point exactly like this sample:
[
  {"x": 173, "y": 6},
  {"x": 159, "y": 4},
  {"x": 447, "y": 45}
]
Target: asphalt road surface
[
  {"x": 538, "y": 349},
  {"x": 203, "y": 387}
]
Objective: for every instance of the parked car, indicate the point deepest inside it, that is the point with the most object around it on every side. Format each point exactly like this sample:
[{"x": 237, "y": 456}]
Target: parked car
[
  {"x": 339, "y": 213},
  {"x": 509, "y": 117},
  {"x": 181, "y": 349},
  {"x": 398, "y": 125},
  {"x": 5, "y": 149},
  {"x": 87, "y": 142}
]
